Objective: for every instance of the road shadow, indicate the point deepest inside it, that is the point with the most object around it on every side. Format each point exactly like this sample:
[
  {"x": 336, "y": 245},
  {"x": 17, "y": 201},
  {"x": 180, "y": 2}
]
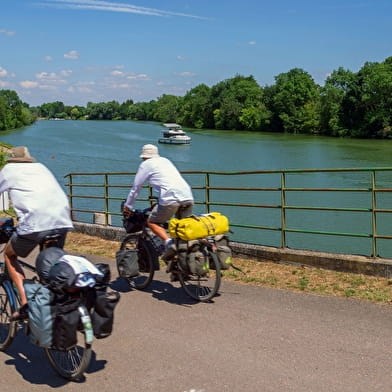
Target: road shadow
[
  {"x": 160, "y": 290},
  {"x": 32, "y": 364}
]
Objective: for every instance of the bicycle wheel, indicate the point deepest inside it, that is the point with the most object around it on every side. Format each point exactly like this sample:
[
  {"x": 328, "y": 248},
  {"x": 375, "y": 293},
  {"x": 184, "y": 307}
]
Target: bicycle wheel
[
  {"x": 203, "y": 288},
  {"x": 71, "y": 364},
  {"x": 8, "y": 305},
  {"x": 146, "y": 265}
]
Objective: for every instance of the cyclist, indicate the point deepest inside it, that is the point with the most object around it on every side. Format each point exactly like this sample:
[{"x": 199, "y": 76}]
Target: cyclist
[
  {"x": 41, "y": 207},
  {"x": 175, "y": 195}
]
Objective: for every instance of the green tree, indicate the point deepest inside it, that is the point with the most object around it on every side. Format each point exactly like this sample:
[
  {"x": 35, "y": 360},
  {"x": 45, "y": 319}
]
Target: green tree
[
  {"x": 295, "y": 102},
  {"x": 167, "y": 108},
  {"x": 230, "y": 97},
  {"x": 196, "y": 108},
  {"x": 332, "y": 95},
  {"x": 13, "y": 112},
  {"x": 367, "y": 105}
]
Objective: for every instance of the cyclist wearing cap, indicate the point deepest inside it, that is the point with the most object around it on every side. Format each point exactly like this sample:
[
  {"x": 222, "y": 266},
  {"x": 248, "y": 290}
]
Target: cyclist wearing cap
[
  {"x": 173, "y": 192},
  {"x": 41, "y": 207}
]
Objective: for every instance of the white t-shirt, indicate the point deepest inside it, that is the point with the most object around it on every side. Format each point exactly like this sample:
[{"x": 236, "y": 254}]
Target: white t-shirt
[
  {"x": 164, "y": 178},
  {"x": 38, "y": 199}
]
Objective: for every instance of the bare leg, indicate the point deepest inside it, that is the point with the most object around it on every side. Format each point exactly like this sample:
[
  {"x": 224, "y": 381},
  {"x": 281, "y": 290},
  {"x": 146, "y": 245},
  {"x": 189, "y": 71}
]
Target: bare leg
[
  {"x": 15, "y": 271},
  {"x": 158, "y": 230}
]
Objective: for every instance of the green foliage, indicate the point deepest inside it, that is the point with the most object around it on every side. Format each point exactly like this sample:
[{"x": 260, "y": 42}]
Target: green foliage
[
  {"x": 13, "y": 112},
  {"x": 295, "y": 102}
]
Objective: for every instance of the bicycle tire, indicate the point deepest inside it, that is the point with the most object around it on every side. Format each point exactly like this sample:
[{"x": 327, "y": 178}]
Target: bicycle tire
[
  {"x": 8, "y": 305},
  {"x": 71, "y": 364},
  {"x": 146, "y": 265},
  {"x": 203, "y": 288}
]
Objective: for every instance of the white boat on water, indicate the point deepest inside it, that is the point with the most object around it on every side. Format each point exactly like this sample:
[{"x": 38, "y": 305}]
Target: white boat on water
[{"x": 173, "y": 134}]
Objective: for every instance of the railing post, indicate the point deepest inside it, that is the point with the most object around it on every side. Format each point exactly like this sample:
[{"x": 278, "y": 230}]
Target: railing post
[
  {"x": 374, "y": 215},
  {"x": 70, "y": 199},
  {"x": 106, "y": 199},
  {"x": 283, "y": 209},
  {"x": 207, "y": 185}
]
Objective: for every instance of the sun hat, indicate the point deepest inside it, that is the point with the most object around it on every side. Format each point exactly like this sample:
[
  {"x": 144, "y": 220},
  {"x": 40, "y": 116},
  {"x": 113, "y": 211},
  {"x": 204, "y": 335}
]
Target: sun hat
[
  {"x": 149, "y": 151},
  {"x": 20, "y": 154}
]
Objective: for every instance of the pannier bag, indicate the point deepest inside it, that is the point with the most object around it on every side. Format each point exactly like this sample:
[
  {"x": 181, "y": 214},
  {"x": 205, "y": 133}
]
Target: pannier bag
[
  {"x": 53, "y": 320},
  {"x": 223, "y": 251},
  {"x": 134, "y": 222},
  {"x": 6, "y": 229},
  {"x": 66, "y": 323},
  {"x": 192, "y": 257},
  {"x": 41, "y": 312},
  {"x": 102, "y": 316},
  {"x": 127, "y": 263},
  {"x": 199, "y": 226}
]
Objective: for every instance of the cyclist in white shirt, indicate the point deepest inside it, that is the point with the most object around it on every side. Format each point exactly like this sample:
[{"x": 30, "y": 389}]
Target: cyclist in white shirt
[
  {"x": 41, "y": 207},
  {"x": 173, "y": 192}
]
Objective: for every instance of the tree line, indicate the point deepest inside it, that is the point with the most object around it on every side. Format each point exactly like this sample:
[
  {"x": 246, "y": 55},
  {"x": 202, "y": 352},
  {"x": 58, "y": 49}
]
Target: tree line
[{"x": 356, "y": 104}]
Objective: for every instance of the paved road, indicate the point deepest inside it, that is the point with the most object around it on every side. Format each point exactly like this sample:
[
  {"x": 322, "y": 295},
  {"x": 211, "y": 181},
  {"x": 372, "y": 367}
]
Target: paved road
[{"x": 250, "y": 339}]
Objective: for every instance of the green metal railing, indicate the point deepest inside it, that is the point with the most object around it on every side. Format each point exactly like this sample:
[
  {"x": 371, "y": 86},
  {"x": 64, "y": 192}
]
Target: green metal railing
[{"x": 352, "y": 203}]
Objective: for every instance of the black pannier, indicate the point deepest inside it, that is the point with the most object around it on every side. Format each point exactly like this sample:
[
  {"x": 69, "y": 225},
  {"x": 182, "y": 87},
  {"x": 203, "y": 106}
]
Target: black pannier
[
  {"x": 6, "y": 229},
  {"x": 134, "y": 222}
]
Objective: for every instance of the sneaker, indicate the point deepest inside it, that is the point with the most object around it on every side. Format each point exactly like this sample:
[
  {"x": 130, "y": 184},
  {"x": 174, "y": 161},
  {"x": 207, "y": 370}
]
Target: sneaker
[
  {"x": 21, "y": 314},
  {"x": 170, "y": 251}
]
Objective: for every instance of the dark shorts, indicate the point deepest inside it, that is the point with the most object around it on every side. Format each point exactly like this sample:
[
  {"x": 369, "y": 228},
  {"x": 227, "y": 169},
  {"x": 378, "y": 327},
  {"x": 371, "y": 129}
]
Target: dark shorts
[
  {"x": 161, "y": 214},
  {"x": 24, "y": 244}
]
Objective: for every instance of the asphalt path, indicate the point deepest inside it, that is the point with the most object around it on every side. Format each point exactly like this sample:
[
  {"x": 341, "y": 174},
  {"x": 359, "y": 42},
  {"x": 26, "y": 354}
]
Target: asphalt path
[{"x": 249, "y": 339}]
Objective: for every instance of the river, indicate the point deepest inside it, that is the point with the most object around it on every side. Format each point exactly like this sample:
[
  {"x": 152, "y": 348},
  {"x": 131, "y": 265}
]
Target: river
[{"x": 114, "y": 146}]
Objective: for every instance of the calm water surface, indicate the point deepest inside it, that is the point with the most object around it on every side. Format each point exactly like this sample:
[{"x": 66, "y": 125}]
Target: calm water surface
[{"x": 74, "y": 146}]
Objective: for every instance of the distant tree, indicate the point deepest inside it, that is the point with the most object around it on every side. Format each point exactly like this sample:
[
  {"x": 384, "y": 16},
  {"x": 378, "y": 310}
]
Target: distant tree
[
  {"x": 295, "y": 102},
  {"x": 167, "y": 108},
  {"x": 196, "y": 108},
  {"x": 367, "y": 105},
  {"x": 332, "y": 95},
  {"x": 230, "y": 97}
]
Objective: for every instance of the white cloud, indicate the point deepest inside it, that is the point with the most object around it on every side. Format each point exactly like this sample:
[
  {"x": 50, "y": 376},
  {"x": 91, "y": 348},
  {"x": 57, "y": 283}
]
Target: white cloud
[
  {"x": 7, "y": 32},
  {"x": 108, "y": 6},
  {"x": 3, "y": 72},
  {"x": 117, "y": 73},
  {"x": 72, "y": 55},
  {"x": 29, "y": 84},
  {"x": 138, "y": 77},
  {"x": 3, "y": 84},
  {"x": 181, "y": 58},
  {"x": 252, "y": 43},
  {"x": 48, "y": 58},
  {"x": 66, "y": 73},
  {"x": 186, "y": 74}
]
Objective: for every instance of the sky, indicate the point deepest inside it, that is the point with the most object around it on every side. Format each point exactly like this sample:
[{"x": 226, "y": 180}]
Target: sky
[{"x": 80, "y": 51}]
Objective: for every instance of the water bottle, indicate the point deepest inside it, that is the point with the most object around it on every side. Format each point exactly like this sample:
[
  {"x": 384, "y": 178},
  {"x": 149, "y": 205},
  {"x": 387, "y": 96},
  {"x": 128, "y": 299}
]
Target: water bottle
[{"x": 87, "y": 325}]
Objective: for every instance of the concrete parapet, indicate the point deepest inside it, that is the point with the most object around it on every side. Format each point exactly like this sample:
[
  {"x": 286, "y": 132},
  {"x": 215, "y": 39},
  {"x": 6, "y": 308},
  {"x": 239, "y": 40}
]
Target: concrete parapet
[{"x": 333, "y": 261}]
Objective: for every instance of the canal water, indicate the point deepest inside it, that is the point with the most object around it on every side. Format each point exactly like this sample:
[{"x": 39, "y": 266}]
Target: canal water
[{"x": 114, "y": 146}]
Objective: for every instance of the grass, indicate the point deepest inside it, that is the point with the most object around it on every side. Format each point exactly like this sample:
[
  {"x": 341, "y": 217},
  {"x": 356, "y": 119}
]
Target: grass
[{"x": 268, "y": 274}]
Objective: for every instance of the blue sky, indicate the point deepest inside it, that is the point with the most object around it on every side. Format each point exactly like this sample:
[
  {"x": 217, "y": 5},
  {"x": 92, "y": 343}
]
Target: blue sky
[{"x": 79, "y": 51}]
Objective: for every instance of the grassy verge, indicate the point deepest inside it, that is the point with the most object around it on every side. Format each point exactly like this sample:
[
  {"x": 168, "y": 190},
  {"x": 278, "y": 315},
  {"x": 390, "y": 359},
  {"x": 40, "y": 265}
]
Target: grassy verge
[{"x": 268, "y": 274}]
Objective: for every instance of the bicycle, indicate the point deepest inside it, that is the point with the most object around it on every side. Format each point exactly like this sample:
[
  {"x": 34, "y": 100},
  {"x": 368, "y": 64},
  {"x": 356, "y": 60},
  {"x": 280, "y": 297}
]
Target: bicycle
[
  {"x": 70, "y": 364},
  {"x": 200, "y": 286}
]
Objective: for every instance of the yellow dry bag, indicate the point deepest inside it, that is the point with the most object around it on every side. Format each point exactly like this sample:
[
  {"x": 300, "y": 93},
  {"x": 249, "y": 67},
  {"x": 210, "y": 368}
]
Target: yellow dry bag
[{"x": 198, "y": 226}]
